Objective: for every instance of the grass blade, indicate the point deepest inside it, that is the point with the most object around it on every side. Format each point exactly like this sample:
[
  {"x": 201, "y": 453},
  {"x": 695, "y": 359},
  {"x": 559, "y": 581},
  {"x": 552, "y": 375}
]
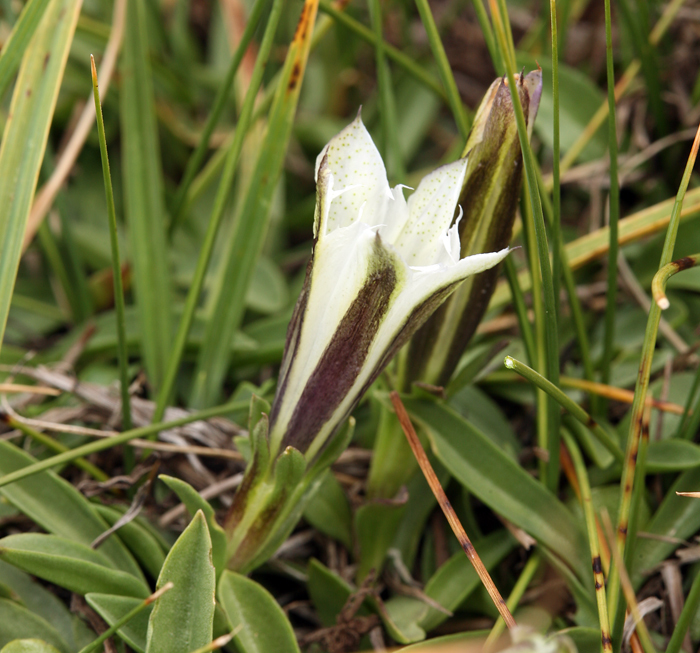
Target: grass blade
[
  {"x": 26, "y": 133},
  {"x": 446, "y": 76},
  {"x": 116, "y": 259},
  {"x": 252, "y": 220},
  {"x": 614, "y": 200},
  {"x": 551, "y": 339},
  {"x": 144, "y": 200},
  {"x": 16, "y": 45}
]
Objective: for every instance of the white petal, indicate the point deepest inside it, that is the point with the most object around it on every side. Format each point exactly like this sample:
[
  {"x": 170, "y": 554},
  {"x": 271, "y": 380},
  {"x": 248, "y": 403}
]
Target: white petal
[
  {"x": 431, "y": 210},
  {"x": 353, "y": 160}
]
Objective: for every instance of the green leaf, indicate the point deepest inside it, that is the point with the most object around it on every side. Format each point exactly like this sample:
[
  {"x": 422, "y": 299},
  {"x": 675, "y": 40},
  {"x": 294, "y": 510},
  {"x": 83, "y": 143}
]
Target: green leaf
[
  {"x": 26, "y": 132},
  {"x": 672, "y": 456},
  {"x": 676, "y": 519},
  {"x": 43, "y": 603},
  {"x": 194, "y": 502},
  {"x": 28, "y": 646},
  {"x": 328, "y": 511},
  {"x": 112, "y": 608},
  {"x": 500, "y": 482},
  {"x": 16, "y": 622},
  {"x": 69, "y": 564},
  {"x": 56, "y": 506},
  {"x": 144, "y": 200},
  {"x": 375, "y": 527},
  {"x": 328, "y": 592},
  {"x": 19, "y": 38},
  {"x": 268, "y": 292},
  {"x": 182, "y": 618},
  {"x": 263, "y": 625},
  {"x": 144, "y": 546}
]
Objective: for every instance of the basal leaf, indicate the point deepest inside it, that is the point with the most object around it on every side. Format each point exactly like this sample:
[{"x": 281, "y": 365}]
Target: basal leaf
[
  {"x": 182, "y": 618},
  {"x": 263, "y": 625}
]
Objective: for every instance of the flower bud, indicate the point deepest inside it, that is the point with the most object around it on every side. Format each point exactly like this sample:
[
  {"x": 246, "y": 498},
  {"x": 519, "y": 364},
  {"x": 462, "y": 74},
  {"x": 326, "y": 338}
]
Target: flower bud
[{"x": 489, "y": 197}]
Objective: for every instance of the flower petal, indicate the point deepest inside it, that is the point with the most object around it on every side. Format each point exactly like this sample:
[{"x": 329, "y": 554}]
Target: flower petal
[
  {"x": 431, "y": 210},
  {"x": 358, "y": 169}
]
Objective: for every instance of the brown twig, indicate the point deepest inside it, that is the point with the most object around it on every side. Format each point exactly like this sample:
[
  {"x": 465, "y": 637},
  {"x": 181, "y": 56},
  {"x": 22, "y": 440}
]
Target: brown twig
[{"x": 447, "y": 508}]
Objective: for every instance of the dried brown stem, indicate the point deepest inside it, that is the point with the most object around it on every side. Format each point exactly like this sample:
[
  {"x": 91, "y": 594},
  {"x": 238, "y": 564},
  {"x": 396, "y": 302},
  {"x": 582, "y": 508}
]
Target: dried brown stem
[{"x": 447, "y": 508}]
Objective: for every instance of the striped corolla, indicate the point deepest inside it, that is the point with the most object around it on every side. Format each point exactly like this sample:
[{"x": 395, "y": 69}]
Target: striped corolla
[{"x": 381, "y": 265}]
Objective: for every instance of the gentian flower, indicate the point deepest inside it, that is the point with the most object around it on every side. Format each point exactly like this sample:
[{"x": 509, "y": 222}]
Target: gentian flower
[{"x": 381, "y": 265}]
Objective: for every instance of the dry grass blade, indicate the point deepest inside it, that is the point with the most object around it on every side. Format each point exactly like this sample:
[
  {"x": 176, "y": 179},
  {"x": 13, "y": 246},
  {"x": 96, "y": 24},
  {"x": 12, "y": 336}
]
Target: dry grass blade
[{"x": 447, "y": 508}]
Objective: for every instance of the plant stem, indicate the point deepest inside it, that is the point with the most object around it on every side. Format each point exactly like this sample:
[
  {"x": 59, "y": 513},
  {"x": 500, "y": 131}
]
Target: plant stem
[{"x": 116, "y": 259}]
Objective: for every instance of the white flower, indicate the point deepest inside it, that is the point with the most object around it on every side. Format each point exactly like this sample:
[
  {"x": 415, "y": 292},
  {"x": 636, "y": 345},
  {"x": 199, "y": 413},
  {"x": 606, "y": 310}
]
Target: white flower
[{"x": 381, "y": 265}]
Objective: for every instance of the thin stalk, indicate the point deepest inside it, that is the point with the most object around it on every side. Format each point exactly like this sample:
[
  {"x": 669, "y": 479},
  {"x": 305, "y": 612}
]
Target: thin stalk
[
  {"x": 520, "y": 309},
  {"x": 122, "y": 351},
  {"x": 195, "y": 161},
  {"x": 552, "y": 336},
  {"x": 516, "y": 594},
  {"x": 126, "y": 618},
  {"x": 614, "y": 202},
  {"x": 597, "y": 565},
  {"x": 641, "y": 627},
  {"x": 570, "y": 285},
  {"x": 444, "y": 68},
  {"x": 122, "y": 438},
  {"x": 387, "y": 103},
  {"x": 556, "y": 154},
  {"x": 566, "y": 403},
  {"x": 57, "y": 447},
  {"x": 635, "y": 456},
  {"x": 366, "y": 34},
  {"x": 687, "y": 615},
  {"x": 217, "y": 213},
  {"x": 448, "y": 510},
  {"x": 538, "y": 360}
]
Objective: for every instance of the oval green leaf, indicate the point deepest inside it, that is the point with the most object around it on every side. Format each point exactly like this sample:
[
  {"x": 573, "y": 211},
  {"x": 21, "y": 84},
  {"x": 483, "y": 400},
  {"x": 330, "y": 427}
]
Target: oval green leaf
[
  {"x": 262, "y": 626},
  {"x": 182, "y": 619}
]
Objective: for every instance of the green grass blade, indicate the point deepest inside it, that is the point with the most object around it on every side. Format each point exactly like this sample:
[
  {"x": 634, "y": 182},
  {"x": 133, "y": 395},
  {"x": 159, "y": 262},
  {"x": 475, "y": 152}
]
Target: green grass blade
[
  {"x": 16, "y": 45},
  {"x": 446, "y": 76},
  {"x": 195, "y": 161},
  {"x": 252, "y": 220},
  {"x": 556, "y": 189},
  {"x": 389, "y": 143},
  {"x": 26, "y": 133},
  {"x": 551, "y": 340},
  {"x": 144, "y": 199},
  {"x": 116, "y": 258},
  {"x": 220, "y": 203},
  {"x": 614, "y": 200},
  {"x": 594, "y": 544}
]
